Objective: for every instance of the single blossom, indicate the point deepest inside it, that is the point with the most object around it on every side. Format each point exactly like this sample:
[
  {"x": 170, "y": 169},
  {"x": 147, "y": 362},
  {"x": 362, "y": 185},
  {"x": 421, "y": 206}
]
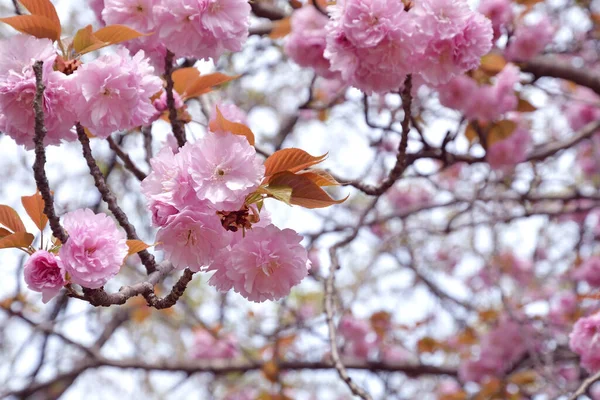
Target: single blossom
[
  {"x": 202, "y": 28},
  {"x": 224, "y": 168},
  {"x": 306, "y": 42},
  {"x": 585, "y": 341},
  {"x": 95, "y": 250},
  {"x": 529, "y": 40},
  {"x": 265, "y": 265},
  {"x": 192, "y": 238},
  {"x": 113, "y": 92},
  {"x": 18, "y": 87},
  {"x": 136, "y": 14},
  {"x": 43, "y": 273},
  {"x": 507, "y": 153}
]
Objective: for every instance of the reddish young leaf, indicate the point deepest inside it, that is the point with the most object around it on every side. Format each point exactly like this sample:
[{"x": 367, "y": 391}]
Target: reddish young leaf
[
  {"x": 34, "y": 205},
  {"x": 43, "y": 8},
  {"x": 305, "y": 192},
  {"x": 281, "y": 28},
  {"x": 34, "y": 25},
  {"x": 10, "y": 219},
  {"x": 203, "y": 84},
  {"x": 135, "y": 246},
  {"x": 524, "y": 106},
  {"x": 500, "y": 130},
  {"x": 114, "y": 34},
  {"x": 4, "y": 232},
  {"x": 320, "y": 177},
  {"x": 183, "y": 78},
  {"x": 291, "y": 159},
  {"x": 223, "y": 124},
  {"x": 85, "y": 41},
  {"x": 492, "y": 63},
  {"x": 16, "y": 240}
]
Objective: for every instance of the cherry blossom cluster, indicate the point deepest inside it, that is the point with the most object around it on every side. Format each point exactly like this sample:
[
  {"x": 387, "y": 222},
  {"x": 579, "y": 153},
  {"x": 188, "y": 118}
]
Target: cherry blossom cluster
[
  {"x": 375, "y": 44},
  {"x": 197, "y": 197},
  {"x": 108, "y": 94},
  {"x": 93, "y": 254}
]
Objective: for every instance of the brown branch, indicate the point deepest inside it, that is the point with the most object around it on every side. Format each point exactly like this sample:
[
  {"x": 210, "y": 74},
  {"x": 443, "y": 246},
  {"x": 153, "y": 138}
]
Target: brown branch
[
  {"x": 176, "y": 124},
  {"x": 263, "y": 10},
  {"x": 554, "y": 147},
  {"x": 170, "y": 299},
  {"x": 553, "y": 67},
  {"x": 110, "y": 199},
  {"x": 401, "y": 159},
  {"x": 585, "y": 385},
  {"x": 129, "y": 164},
  {"x": 100, "y": 298},
  {"x": 39, "y": 171}
]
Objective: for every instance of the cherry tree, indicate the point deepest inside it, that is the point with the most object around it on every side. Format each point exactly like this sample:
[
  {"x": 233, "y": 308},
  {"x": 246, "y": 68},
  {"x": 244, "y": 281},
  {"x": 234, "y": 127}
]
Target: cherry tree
[{"x": 376, "y": 199}]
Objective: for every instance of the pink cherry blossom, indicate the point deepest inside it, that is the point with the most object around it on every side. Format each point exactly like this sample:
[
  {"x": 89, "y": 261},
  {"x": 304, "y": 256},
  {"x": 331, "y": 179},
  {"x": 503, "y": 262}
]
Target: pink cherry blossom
[
  {"x": 231, "y": 112},
  {"x": 585, "y": 341},
  {"x": 485, "y": 102},
  {"x": 43, "y": 273},
  {"x": 97, "y": 7},
  {"x": 353, "y": 329},
  {"x": 404, "y": 199},
  {"x": 161, "y": 212},
  {"x": 208, "y": 346},
  {"x": 224, "y": 168},
  {"x": 95, "y": 250},
  {"x": 499, "y": 349},
  {"x": 456, "y": 40},
  {"x": 562, "y": 307},
  {"x": 192, "y": 238},
  {"x": 306, "y": 42},
  {"x": 499, "y": 12},
  {"x": 161, "y": 106},
  {"x": 583, "y": 108},
  {"x": 202, "y": 28},
  {"x": 136, "y": 14},
  {"x": 589, "y": 271},
  {"x": 529, "y": 40},
  {"x": 507, "y": 153},
  {"x": 265, "y": 265},
  {"x": 169, "y": 182},
  {"x": 17, "y": 91},
  {"x": 114, "y": 91},
  {"x": 153, "y": 48}
]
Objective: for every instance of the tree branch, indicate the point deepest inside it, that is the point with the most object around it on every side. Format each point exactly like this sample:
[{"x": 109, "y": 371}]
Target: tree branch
[{"x": 553, "y": 67}]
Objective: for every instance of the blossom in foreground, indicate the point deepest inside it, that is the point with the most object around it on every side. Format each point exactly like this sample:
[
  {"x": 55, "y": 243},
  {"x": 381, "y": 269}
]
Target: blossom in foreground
[
  {"x": 17, "y": 92},
  {"x": 43, "y": 273},
  {"x": 192, "y": 238},
  {"x": 202, "y": 28},
  {"x": 585, "y": 341},
  {"x": 224, "y": 169},
  {"x": 95, "y": 250},
  {"x": 113, "y": 92},
  {"x": 264, "y": 265}
]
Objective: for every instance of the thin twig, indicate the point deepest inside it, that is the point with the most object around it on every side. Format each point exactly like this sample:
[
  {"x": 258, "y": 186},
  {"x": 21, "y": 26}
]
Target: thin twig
[{"x": 176, "y": 124}]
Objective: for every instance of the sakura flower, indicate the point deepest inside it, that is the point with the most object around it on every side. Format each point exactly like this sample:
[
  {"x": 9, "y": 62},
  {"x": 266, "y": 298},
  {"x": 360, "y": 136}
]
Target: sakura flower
[
  {"x": 43, "y": 273},
  {"x": 202, "y": 28},
  {"x": 153, "y": 48},
  {"x": 97, "y": 7},
  {"x": 161, "y": 106},
  {"x": 353, "y": 329},
  {"x": 17, "y": 92},
  {"x": 192, "y": 238},
  {"x": 589, "y": 271},
  {"x": 509, "y": 152},
  {"x": 114, "y": 91},
  {"x": 161, "y": 212},
  {"x": 136, "y": 14},
  {"x": 499, "y": 12},
  {"x": 231, "y": 112},
  {"x": 499, "y": 349},
  {"x": 224, "y": 169},
  {"x": 207, "y": 346},
  {"x": 529, "y": 40},
  {"x": 95, "y": 249},
  {"x": 584, "y": 340},
  {"x": 306, "y": 42},
  {"x": 169, "y": 181},
  {"x": 265, "y": 265},
  {"x": 583, "y": 108}
]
